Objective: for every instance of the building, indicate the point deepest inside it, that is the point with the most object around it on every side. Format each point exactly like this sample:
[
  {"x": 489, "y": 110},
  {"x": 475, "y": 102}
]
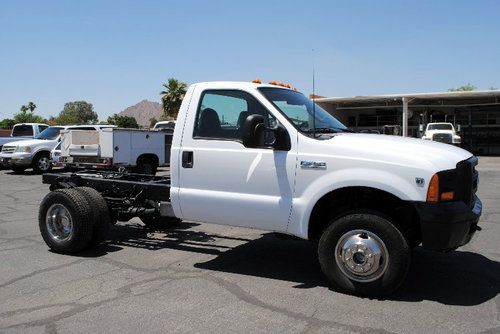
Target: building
[{"x": 476, "y": 114}]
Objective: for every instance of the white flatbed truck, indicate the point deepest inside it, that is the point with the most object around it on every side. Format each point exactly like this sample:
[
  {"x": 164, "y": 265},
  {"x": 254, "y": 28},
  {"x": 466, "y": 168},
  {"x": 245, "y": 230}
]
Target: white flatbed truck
[{"x": 260, "y": 156}]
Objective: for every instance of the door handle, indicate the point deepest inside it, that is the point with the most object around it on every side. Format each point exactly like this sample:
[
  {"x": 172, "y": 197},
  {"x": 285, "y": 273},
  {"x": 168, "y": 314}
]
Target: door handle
[{"x": 187, "y": 159}]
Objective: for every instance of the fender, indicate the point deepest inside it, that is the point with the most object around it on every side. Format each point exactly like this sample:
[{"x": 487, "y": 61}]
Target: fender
[{"x": 392, "y": 183}]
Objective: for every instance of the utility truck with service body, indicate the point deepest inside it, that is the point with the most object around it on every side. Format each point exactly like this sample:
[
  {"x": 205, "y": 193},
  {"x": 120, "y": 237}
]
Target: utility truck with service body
[
  {"x": 264, "y": 156},
  {"x": 141, "y": 150}
]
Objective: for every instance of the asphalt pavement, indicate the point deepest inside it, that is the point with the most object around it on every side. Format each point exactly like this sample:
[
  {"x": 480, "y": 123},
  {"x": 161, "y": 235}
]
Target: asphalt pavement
[{"x": 203, "y": 278}]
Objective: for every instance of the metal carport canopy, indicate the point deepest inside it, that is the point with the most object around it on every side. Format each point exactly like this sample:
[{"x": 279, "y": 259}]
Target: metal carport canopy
[{"x": 435, "y": 100}]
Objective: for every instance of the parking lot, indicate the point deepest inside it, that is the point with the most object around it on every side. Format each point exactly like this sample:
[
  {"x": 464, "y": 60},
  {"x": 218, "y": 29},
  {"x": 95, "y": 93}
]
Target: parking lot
[{"x": 216, "y": 279}]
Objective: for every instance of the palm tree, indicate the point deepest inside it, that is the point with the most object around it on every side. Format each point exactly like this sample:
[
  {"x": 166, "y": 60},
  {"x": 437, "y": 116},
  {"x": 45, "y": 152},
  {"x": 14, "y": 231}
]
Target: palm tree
[
  {"x": 31, "y": 106},
  {"x": 24, "y": 108},
  {"x": 172, "y": 96}
]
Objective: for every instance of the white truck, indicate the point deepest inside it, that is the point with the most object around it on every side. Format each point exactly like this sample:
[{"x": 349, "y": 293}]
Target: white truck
[
  {"x": 35, "y": 153},
  {"x": 442, "y": 132},
  {"x": 141, "y": 150},
  {"x": 260, "y": 156},
  {"x": 22, "y": 131},
  {"x": 168, "y": 126}
]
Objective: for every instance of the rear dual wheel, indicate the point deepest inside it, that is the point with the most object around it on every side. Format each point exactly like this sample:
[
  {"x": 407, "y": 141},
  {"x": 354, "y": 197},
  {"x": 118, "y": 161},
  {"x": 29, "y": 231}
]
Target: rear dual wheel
[{"x": 71, "y": 220}]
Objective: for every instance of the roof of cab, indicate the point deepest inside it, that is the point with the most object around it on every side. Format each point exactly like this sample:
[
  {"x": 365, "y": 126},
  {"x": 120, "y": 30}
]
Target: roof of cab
[{"x": 236, "y": 84}]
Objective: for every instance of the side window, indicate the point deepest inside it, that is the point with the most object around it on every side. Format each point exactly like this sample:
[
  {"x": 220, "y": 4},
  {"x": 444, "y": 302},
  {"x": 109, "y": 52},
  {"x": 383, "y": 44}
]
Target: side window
[
  {"x": 221, "y": 114},
  {"x": 42, "y": 127}
]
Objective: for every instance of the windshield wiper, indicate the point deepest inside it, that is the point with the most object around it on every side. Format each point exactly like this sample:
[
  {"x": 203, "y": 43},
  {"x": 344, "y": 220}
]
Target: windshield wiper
[{"x": 329, "y": 130}]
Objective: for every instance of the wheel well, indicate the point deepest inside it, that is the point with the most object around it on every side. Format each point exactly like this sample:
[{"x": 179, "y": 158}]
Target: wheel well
[
  {"x": 148, "y": 157},
  {"x": 342, "y": 201},
  {"x": 39, "y": 153}
]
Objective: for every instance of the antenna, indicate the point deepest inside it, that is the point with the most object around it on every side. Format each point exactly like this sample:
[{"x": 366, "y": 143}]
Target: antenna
[{"x": 314, "y": 94}]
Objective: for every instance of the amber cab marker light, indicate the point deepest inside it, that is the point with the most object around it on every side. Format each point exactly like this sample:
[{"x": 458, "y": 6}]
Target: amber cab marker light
[
  {"x": 433, "y": 191},
  {"x": 257, "y": 81},
  {"x": 447, "y": 196}
]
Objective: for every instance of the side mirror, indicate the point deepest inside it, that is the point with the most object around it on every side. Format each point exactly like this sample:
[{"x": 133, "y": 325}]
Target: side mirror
[
  {"x": 253, "y": 131},
  {"x": 255, "y": 134},
  {"x": 282, "y": 139}
]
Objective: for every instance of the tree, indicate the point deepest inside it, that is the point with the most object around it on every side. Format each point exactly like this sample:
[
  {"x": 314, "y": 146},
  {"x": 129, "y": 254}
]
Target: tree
[
  {"x": 123, "y": 121},
  {"x": 465, "y": 88},
  {"x": 152, "y": 122},
  {"x": 7, "y": 123},
  {"x": 77, "y": 112},
  {"x": 492, "y": 88},
  {"x": 31, "y": 106},
  {"x": 28, "y": 117},
  {"x": 172, "y": 96}
]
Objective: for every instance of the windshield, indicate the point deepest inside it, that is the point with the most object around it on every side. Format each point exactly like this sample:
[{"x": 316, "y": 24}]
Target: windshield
[
  {"x": 299, "y": 110},
  {"x": 440, "y": 127},
  {"x": 50, "y": 133}
]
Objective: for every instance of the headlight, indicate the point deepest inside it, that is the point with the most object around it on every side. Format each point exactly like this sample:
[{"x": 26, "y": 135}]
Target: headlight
[
  {"x": 26, "y": 149},
  {"x": 442, "y": 186}
]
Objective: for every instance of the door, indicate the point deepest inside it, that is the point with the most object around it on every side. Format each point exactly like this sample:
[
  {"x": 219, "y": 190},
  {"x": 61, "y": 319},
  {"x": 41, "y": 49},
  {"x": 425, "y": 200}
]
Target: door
[{"x": 223, "y": 182}]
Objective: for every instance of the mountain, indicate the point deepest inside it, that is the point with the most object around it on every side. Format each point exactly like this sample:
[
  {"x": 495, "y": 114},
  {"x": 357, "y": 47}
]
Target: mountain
[{"x": 143, "y": 112}]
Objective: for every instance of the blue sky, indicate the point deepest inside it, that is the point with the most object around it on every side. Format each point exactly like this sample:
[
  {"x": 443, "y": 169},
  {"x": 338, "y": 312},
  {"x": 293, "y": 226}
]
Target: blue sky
[{"x": 117, "y": 53}]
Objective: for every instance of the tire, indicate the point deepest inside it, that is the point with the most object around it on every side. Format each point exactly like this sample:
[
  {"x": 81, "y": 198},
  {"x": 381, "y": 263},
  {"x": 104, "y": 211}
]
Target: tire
[
  {"x": 158, "y": 222},
  {"x": 18, "y": 170},
  {"x": 60, "y": 204},
  {"x": 353, "y": 270},
  {"x": 146, "y": 166},
  {"x": 102, "y": 219},
  {"x": 41, "y": 163}
]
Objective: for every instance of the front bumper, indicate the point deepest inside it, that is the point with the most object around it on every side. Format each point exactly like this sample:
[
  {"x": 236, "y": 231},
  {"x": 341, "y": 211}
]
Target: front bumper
[
  {"x": 448, "y": 225},
  {"x": 16, "y": 159}
]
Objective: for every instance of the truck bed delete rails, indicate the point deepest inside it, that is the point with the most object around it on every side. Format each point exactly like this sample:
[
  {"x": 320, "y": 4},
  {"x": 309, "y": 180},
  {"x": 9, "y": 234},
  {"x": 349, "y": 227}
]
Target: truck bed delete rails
[{"x": 113, "y": 184}]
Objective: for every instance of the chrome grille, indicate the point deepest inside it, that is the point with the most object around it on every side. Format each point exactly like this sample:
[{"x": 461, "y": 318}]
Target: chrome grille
[
  {"x": 468, "y": 178},
  {"x": 443, "y": 138},
  {"x": 8, "y": 149}
]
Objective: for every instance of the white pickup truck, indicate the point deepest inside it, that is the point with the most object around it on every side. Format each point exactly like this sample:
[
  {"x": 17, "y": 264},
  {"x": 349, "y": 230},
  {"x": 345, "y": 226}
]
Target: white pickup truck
[
  {"x": 141, "y": 150},
  {"x": 22, "y": 131},
  {"x": 442, "y": 132},
  {"x": 260, "y": 156}
]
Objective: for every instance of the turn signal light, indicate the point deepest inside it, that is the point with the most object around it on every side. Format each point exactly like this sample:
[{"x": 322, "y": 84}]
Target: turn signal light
[
  {"x": 447, "y": 196},
  {"x": 433, "y": 191}
]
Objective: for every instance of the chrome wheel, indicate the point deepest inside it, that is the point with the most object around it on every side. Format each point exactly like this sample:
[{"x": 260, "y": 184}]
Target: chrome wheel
[
  {"x": 59, "y": 222},
  {"x": 361, "y": 255},
  {"x": 43, "y": 163}
]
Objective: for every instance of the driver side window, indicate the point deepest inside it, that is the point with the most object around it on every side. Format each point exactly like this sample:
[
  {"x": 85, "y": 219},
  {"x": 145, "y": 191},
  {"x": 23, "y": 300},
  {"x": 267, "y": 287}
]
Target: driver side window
[{"x": 221, "y": 114}]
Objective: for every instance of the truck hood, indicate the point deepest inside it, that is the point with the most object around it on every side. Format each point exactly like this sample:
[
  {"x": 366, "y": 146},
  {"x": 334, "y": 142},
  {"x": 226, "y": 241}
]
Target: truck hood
[
  {"x": 34, "y": 142},
  {"x": 411, "y": 152}
]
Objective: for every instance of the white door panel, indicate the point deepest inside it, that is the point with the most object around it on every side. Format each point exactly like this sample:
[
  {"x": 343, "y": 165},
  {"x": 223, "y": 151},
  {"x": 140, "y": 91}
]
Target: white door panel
[{"x": 237, "y": 186}]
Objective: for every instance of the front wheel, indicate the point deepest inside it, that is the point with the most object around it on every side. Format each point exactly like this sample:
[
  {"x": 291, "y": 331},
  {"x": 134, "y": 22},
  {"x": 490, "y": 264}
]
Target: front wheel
[
  {"x": 42, "y": 163},
  {"x": 364, "y": 254}
]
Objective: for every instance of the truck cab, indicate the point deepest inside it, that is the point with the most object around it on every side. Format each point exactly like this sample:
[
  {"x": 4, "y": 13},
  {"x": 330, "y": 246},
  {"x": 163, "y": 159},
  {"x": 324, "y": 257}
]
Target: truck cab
[{"x": 264, "y": 156}]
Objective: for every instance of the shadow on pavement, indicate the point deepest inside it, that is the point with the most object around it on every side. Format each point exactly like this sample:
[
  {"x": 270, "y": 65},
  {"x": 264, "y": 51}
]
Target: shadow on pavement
[{"x": 456, "y": 278}]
